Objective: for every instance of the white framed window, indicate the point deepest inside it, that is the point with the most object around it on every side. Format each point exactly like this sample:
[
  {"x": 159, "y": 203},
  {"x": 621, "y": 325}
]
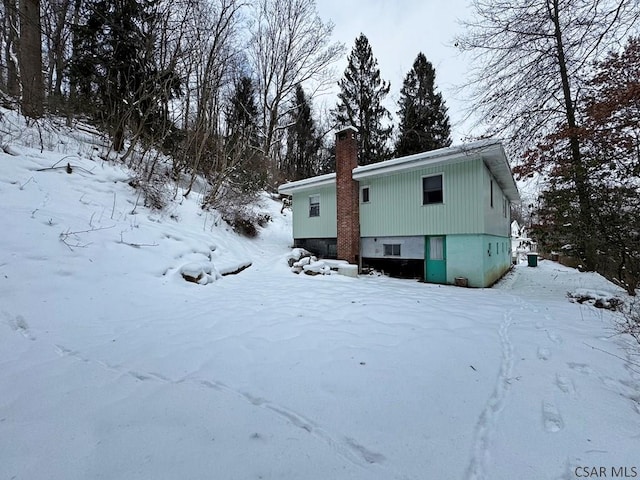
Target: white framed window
[
  {"x": 391, "y": 249},
  {"x": 364, "y": 194},
  {"x": 432, "y": 189},
  {"x": 314, "y": 205}
]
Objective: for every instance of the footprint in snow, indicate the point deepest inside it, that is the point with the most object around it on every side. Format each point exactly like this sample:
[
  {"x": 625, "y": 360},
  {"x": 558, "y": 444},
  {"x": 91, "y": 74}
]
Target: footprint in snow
[
  {"x": 551, "y": 418},
  {"x": 580, "y": 368},
  {"x": 565, "y": 384},
  {"x": 544, "y": 353},
  {"x": 554, "y": 337},
  {"x": 19, "y": 324}
]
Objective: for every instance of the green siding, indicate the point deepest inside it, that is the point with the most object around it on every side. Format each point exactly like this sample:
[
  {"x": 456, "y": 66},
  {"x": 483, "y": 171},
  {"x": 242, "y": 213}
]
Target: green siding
[
  {"x": 395, "y": 203},
  {"x": 496, "y": 264},
  {"x": 468, "y": 256},
  {"x": 494, "y": 219},
  {"x": 324, "y": 226}
]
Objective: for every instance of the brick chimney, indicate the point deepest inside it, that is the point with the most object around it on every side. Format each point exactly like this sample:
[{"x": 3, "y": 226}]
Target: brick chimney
[{"x": 347, "y": 195}]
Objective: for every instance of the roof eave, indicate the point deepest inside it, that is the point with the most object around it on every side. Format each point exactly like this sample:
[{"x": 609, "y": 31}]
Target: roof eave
[{"x": 307, "y": 184}]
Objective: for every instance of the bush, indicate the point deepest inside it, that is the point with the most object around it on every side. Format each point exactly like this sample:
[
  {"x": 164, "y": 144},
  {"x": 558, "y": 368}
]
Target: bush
[
  {"x": 236, "y": 208},
  {"x": 630, "y": 321},
  {"x": 245, "y": 222}
]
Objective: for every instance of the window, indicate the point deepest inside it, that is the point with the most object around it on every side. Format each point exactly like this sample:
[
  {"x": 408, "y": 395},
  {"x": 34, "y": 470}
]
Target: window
[
  {"x": 504, "y": 207},
  {"x": 432, "y": 189},
  {"x": 491, "y": 192},
  {"x": 365, "y": 194},
  {"x": 314, "y": 206},
  {"x": 436, "y": 248},
  {"x": 392, "y": 249}
]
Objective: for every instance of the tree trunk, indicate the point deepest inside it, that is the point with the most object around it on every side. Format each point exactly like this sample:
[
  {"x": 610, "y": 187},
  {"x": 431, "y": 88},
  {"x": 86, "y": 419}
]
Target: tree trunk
[
  {"x": 31, "y": 77},
  {"x": 10, "y": 47},
  {"x": 585, "y": 215}
]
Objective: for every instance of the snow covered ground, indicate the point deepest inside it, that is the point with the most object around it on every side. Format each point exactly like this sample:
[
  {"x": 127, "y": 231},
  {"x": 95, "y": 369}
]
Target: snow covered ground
[{"x": 113, "y": 367}]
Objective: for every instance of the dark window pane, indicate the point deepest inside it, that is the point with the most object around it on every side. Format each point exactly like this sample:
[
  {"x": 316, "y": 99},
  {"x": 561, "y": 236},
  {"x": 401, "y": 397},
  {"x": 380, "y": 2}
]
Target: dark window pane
[
  {"x": 392, "y": 249},
  {"x": 432, "y": 189},
  {"x": 314, "y": 206}
]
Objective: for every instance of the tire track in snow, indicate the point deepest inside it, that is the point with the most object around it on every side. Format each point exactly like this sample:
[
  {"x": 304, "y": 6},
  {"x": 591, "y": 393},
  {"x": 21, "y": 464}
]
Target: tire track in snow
[{"x": 486, "y": 425}]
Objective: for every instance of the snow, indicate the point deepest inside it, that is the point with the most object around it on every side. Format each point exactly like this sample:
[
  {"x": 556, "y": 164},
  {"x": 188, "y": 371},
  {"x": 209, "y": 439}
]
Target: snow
[{"x": 113, "y": 366}]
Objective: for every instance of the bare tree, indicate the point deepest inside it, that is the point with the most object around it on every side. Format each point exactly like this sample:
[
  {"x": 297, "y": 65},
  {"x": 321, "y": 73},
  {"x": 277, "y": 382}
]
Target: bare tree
[
  {"x": 8, "y": 39},
  {"x": 290, "y": 44},
  {"x": 532, "y": 59},
  {"x": 56, "y": 21},
  {"x": 30, "y": 59},
  {"x": 210, "y": 70}
]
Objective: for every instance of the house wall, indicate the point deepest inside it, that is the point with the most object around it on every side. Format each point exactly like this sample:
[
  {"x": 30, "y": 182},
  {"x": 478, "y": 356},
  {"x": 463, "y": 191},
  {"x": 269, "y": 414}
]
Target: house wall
[
  {"x": 499, "y": 261},
  {"x": 324, "y": 226},
  {"x": 395, "y": 202},
  {"x": 495, "y": 220},
  {"x": 410, "y": 247},
  {"x": 468, "y": 256}
]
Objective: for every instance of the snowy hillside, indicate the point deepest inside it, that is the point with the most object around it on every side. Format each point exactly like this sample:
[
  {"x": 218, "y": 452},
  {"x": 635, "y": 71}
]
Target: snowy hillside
[{"x": 114, "y": 367}]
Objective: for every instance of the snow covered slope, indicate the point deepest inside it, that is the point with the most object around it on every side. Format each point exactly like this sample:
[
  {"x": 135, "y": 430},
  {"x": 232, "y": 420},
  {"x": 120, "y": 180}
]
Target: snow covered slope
[{"x": 112, "y": 366}]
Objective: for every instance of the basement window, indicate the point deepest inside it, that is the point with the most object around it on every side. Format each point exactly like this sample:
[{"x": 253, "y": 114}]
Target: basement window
[
  {"x": 314, "y": 206},
  {"x": 391, "y": 249},
  {"x": 432, "y": 189}
]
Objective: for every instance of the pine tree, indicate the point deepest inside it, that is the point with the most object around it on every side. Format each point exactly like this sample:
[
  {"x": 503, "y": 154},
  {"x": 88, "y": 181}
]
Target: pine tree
[
  {"x": 424, "y": 122},
  {"x": 303, "y": 142},
  {"x": 243, "y": 160},
  {"x": 242, "y": 114},
  {"x": 112, "y": 62},
  {"x": 360, "y": 103}
]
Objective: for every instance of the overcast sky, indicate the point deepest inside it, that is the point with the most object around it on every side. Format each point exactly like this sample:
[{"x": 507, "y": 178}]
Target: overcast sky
[{"x": 397, "y": 31}]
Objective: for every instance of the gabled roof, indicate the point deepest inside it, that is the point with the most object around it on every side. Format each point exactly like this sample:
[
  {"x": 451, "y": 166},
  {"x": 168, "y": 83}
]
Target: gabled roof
[{"x": 491, "y": 151}]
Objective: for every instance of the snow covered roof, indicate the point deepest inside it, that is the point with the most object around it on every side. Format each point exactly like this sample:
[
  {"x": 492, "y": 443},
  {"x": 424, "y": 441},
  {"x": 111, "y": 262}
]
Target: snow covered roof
[
  {"x": 491, "y": 152},
  {"x": 319, "y": 181}
]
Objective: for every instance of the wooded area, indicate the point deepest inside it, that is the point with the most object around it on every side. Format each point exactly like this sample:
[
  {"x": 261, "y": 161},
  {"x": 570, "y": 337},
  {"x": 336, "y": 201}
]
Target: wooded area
[{"x": 225, "y": 90}]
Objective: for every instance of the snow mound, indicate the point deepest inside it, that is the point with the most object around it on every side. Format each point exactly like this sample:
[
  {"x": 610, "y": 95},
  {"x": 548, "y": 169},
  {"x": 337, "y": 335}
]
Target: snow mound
[
  {"x": 201, "y": 273},
  {"x": 596, "y": 298}
]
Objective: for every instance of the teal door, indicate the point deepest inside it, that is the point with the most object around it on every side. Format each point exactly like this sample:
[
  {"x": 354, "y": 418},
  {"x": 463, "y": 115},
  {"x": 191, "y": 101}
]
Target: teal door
[{"x": 435, "y": 260}]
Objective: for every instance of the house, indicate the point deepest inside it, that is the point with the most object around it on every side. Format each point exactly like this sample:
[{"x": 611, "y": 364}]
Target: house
[{"x": 442, "y": 216}]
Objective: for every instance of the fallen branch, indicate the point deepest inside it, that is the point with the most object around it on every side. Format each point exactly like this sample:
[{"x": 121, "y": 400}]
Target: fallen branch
[
  {"x": 137, "y": 245},
  {"x": 68, "y": 167},
  {"x": 65, "y": 235},
  {"x": 613, "y": 355}
]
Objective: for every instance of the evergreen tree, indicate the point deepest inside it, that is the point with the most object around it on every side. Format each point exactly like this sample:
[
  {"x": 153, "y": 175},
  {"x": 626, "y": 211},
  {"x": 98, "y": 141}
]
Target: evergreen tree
[
  {"x": 360, "y": 103},
  {"x": 424, "y": 123},
  {"x": 242, "y": 114},
  {"x": 243, "y": 160},
  {"x": 303, "y": 142},
  {"x": 112, "y": 65}
]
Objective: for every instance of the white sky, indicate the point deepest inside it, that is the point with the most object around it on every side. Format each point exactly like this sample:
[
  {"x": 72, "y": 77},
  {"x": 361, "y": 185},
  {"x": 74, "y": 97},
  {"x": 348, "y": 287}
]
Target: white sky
[{"x": 397, "y": 31}]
